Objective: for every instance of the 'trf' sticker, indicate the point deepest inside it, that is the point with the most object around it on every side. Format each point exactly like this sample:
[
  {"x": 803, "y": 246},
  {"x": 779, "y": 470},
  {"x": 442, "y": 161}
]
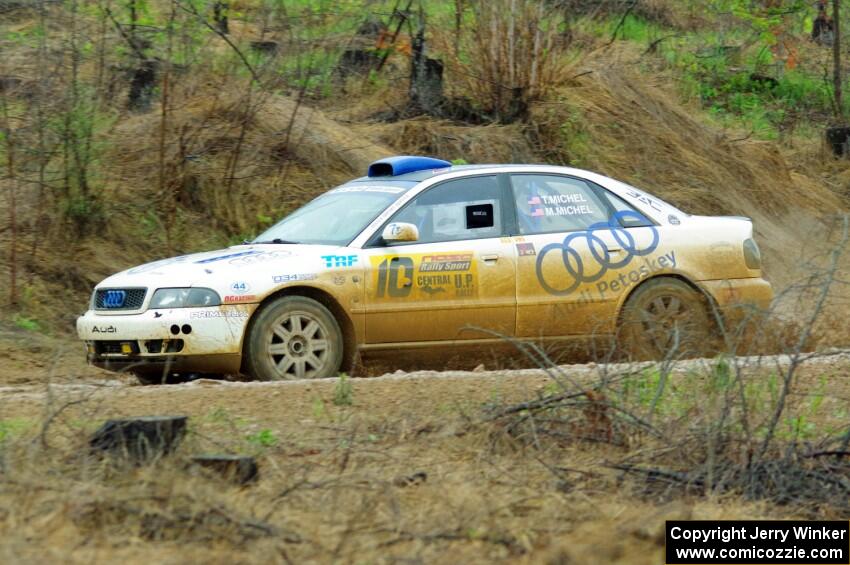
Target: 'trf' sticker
[{"x": 425, "y": 276}]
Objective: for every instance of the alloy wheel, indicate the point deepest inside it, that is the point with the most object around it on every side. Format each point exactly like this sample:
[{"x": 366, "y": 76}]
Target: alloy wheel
[{"x": 298, "y": 345}]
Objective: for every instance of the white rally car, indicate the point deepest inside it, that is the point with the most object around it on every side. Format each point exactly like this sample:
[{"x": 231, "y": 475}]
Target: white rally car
[{"x": 422, "y": 254}]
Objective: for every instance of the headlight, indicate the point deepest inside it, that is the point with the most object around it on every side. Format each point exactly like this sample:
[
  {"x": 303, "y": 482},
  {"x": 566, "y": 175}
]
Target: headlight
[
  {"x": 752, "y": 255},
  {"x": 184, "y": 298}
]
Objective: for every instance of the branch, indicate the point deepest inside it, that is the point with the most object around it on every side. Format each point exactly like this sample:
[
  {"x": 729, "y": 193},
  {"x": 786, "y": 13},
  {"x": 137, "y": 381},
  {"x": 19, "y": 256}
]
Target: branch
[
  {"x": 622, "y": 21},
  {"x": 193, "y": 11},
  {"x": 828, "y": 454},
  {"x": 654, "y": 45},
  {"x": 126, "y": 37}
]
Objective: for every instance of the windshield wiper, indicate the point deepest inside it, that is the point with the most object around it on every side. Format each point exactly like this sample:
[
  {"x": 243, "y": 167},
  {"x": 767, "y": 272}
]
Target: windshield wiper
[{"x": 276, "y": 240}]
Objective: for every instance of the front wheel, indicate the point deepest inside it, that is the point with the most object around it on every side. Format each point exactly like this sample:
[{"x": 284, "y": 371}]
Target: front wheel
[
  {"x": 293, "y": 337},
  {"x": 666, "y": 317}
]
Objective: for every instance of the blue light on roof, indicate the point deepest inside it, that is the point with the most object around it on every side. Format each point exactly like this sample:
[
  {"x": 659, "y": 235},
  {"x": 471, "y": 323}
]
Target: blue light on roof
[{"x": 394, "y": 166}]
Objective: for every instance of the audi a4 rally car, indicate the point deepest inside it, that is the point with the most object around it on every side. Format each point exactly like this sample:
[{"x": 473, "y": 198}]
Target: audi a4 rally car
[{"x": 423, "y": 254}]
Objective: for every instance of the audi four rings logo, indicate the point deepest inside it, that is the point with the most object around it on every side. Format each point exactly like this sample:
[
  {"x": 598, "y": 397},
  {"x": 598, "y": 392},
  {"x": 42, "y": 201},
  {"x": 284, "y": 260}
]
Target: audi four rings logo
[
  {"x": 573, "y": 263},
  {"x": 114, "y": 298}
]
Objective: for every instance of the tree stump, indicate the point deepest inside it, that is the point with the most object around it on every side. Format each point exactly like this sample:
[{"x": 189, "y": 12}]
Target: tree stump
[
  {"x": 426, "y": 79},
  {"x": 362, "y": 55},
  {"x": 239, "y": 469},
  {"x": 140, "y": 439},
  {"x": 8, "y": 84},
  {"x": 837, "y": 138},
  {"x": 265, "y": 47},
  {"x": 764, "y": 80},
  {"x": 356, "y": 61},
  {"x": 142, "y": 85},
  {"x": 517, "y": 107}
]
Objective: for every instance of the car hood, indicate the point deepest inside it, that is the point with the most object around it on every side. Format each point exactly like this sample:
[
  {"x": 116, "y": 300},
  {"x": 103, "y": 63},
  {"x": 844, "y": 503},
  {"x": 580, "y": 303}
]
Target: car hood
[{"x": 221, "y": 268}]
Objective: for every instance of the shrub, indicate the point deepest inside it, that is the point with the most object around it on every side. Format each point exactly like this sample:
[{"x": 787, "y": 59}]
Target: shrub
[
  {"x": 343, "y": 391},
  {"x": 511, "y": 55}
]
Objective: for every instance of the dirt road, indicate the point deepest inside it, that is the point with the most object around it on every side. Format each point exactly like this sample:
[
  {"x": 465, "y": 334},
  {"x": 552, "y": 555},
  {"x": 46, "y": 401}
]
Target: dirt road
[{"x": 393, "y": 394}]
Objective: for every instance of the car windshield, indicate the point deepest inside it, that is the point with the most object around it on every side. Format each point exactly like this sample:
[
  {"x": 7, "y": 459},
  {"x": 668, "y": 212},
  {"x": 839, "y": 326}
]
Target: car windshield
[{"x": 336, "y": 217}]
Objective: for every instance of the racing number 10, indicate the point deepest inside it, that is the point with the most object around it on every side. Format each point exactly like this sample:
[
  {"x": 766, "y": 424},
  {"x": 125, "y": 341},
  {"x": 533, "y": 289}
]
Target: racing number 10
[{"x": 397, "y": 266}]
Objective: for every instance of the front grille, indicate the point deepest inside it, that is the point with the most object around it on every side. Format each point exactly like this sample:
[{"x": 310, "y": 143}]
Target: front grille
[
  {"x": 171, "y": 345},
  {"x": 116, "y": 347},
  {"x": 119, "y": 298}
]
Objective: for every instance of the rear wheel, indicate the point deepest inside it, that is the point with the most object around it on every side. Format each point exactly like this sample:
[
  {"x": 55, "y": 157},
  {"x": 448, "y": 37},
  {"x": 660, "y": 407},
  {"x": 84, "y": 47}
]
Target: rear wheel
[
  {"x": 293, "y": 337},
  {"x": 666, "y": 317}
]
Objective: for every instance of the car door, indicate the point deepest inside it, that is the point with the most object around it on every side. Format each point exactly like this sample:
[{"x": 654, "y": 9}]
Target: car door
[
  {"x": 461, "y": 273},
  {"x": 579, "y": 248}
]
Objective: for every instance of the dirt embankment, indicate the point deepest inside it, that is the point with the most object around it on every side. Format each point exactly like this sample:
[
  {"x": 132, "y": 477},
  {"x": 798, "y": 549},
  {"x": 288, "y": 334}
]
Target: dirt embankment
[
  {"x": 233, "y": 164},
  {"x": 639, "y": 131}
]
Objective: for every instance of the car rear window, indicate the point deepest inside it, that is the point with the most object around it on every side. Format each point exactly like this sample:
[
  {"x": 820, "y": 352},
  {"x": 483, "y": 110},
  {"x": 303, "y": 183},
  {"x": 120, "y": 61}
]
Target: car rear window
[{"x": 552, "y": 203}]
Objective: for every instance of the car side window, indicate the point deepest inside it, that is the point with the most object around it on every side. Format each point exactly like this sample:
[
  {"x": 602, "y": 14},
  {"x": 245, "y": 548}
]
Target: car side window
[
  {"x": 466, "y": 208},
  {"x": 628, "y": 216},
  {"x": 551, "y": 203}
]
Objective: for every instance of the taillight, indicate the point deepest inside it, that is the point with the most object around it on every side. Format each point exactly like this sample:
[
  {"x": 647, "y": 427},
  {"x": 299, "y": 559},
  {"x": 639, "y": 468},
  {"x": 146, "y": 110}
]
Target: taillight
[{"x": 752, "y": 255}]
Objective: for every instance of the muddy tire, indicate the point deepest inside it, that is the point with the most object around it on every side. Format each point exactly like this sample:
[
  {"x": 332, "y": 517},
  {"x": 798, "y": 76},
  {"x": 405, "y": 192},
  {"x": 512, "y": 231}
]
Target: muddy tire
[
  {"x": 666, "y": 317},
  {"x": 293, "y": 338}
]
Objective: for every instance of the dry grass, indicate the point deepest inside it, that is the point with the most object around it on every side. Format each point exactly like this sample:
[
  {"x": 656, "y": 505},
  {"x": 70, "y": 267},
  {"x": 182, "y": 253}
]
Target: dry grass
[
  {"x": 279, "y": 165},
  {"x": 474, "y": 144},
  {"x": 513, "y": 56},
  {"x": 347, "y": 483}
]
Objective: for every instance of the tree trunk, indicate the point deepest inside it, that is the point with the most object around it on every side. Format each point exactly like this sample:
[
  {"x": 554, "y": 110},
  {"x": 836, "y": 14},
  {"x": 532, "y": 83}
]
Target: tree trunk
[
  {"x": 220, "y": 17},
  {"x": 458, "y": 24},
  {"x": 13, "y": 208},
  {"x": 313, "y": 136},
  {"x": 836, "y": 62}
]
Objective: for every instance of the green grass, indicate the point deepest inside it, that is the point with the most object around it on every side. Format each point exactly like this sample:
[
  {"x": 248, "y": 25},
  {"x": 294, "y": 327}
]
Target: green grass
[
  {"x": 712, "y": 67},
  {"x": 679, "y": 396},
  {"x": 13, "y": 427},
  {"x": 264, "y": 438},
  {"x": 25, "y": 323},
  {"x": 343, "y": 391}
]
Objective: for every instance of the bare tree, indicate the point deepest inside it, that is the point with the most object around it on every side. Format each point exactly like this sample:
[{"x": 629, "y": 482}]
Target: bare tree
[
  {"x": 836, "y": 60},
  {"x": 11, "y": 179}
]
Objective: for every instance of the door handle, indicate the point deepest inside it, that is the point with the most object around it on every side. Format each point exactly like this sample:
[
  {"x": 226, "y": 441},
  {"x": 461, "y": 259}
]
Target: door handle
[{"x": 490, "y": 257}]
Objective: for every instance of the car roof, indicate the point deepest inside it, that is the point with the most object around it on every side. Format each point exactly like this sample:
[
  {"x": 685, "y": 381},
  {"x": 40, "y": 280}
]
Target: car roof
[
  {"x": 419, "y": 176},
  {"x": 412, "y": 179}
]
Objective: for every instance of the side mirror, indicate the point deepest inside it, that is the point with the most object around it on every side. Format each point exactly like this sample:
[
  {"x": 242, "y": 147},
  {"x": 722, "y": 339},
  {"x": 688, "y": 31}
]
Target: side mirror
[{"x": 400, "y": 231}]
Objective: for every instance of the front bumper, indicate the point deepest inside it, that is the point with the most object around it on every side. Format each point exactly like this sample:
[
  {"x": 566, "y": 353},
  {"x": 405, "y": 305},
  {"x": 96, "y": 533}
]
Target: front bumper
[{"x": 182, "y": 339}]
